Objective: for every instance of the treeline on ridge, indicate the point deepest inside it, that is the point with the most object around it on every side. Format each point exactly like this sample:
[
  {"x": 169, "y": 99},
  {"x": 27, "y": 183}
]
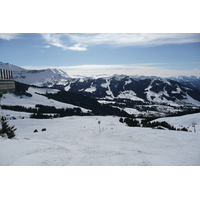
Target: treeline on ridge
[
  {"x": 58, "y": 112},
  {"x": 151, "y": 124},
  {"x": 39, "y": 110}
]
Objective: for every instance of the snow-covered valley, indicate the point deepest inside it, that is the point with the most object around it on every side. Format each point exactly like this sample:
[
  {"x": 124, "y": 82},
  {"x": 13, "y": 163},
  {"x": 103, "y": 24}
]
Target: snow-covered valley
[{"x": 82, "y": 141}]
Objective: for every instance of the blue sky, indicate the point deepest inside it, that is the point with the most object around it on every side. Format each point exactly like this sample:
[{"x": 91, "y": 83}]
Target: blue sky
[{"x": 160, "y": 54}]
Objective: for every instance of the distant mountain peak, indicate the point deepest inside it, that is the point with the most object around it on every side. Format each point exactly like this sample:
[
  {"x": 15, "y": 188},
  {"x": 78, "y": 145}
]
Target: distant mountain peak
[
  {"x": 11, "y": 67},
  {"x": 43, "y": 77}
]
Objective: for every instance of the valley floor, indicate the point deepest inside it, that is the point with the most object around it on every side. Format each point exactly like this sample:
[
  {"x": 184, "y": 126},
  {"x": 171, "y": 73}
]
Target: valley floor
[{"x": 80, "y": 141}]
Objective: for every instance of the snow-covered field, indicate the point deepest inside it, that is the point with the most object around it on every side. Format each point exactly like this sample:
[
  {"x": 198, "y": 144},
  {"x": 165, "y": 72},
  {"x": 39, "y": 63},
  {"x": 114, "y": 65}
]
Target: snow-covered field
[
  {"x": 81, "y": 141},
  {"x": 11, "y": 99}
]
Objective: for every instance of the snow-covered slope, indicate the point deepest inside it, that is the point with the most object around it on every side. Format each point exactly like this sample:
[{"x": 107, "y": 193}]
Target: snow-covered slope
[
  {"x": 191, "y": 81},
  {"x": 46, "y": 77},
  {"x": 188, "y": 121},
  {"x": 79, "y": 141},
  {"x": 11, "y": 67},
  {"x": 35, "y": 98}
]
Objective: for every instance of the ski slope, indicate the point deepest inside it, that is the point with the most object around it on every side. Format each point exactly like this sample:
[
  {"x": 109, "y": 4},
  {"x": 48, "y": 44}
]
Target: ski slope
[
  {"x": 187, "y": 121},
  {"x": 30, "y": 102},
  {"x": 81, "y": 141}
]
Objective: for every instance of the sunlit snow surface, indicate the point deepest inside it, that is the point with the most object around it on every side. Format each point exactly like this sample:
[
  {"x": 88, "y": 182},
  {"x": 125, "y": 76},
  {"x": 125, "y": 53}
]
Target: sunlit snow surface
[
  {"x": 11, "y": 99},
  {"x": 81, "y": 141}
]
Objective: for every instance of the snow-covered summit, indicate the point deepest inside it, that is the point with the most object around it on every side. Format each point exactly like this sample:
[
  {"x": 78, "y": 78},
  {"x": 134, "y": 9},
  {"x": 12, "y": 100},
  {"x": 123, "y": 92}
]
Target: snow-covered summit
[
  {"x": 44, "y": 77},
  {"x": 191, "y": 81},
  {"x": 185, "y": 77},
  {"x": 8, "y": 66}
]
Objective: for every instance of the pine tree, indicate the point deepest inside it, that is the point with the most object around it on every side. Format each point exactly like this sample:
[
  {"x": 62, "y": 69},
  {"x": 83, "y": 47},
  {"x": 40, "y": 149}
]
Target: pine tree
[
  {"x": 121, "y": 120},
  {"x": 6, "y": 129}
]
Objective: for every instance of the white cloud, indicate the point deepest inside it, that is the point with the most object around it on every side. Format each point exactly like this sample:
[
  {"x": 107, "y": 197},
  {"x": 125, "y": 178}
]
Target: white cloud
[
  {"x": 143, "y": 69},
  {"x": 53, "y": 39},
  {"x": 135, "y": 39},
  {"x": 59, "y": 40},
  {"x": 80, "y": 41},
  {"x": 9, "y": 36},
  {"x": 78, "y": 47}
]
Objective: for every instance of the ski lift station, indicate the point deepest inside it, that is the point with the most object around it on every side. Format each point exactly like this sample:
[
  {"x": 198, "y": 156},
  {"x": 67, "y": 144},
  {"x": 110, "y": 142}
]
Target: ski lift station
[{"x": 7, "y": 84}]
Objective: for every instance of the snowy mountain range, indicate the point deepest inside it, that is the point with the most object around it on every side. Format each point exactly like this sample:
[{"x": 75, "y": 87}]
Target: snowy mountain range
[
  {"x": 191, "y": 81},
  {"x": 52, "y": 76},
  {"x": 132, "y": 94},
  {"x": 139, "y": 89}
]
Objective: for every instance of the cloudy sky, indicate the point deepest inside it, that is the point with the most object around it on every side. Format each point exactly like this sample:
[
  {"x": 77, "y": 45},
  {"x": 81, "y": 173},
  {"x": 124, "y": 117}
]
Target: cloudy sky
[{"x": 105, "y": 53}]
